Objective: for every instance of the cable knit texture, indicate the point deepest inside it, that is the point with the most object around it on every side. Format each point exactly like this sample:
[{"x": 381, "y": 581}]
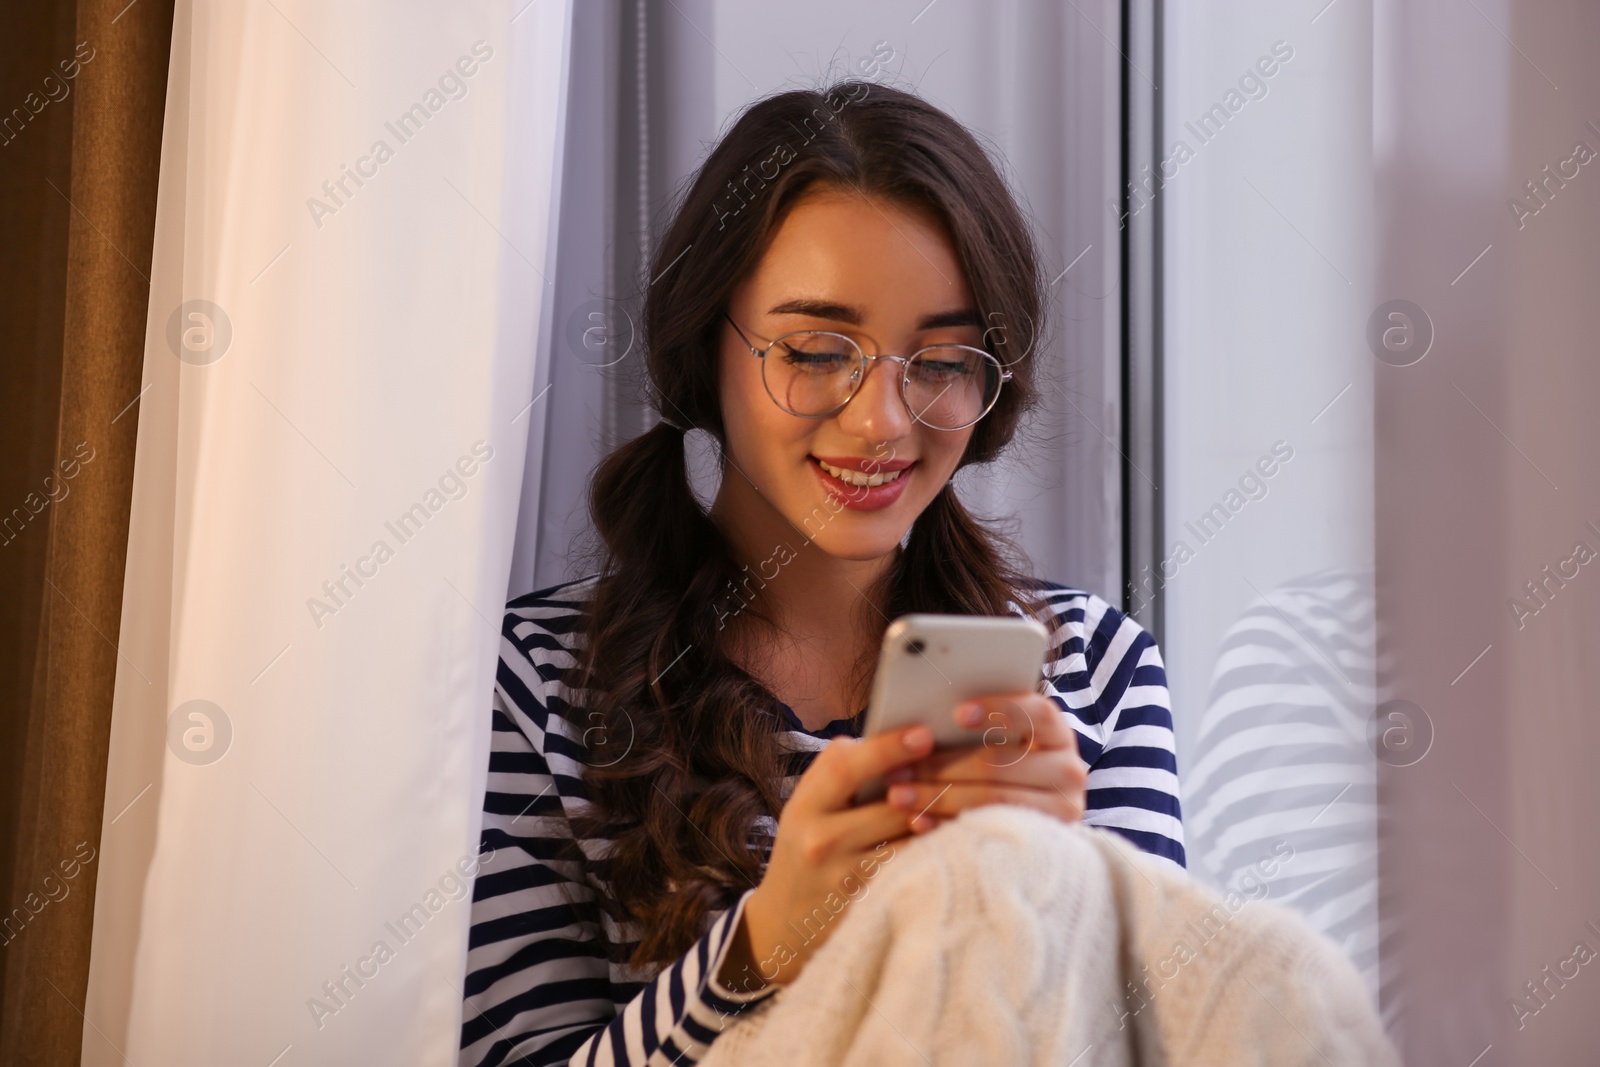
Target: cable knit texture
[{"x": 1008, "y": 937}]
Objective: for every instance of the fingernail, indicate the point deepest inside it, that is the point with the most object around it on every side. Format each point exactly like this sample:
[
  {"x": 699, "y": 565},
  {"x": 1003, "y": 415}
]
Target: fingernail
[
  {"x": 902, "y": 795},
  {"x": 919, "y": 738},
  {"x": 969, "y": 714}
]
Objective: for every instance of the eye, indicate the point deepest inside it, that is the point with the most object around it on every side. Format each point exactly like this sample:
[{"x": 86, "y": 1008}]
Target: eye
[
  {"x": 817, "y": 353},
  {"x": 940, "y": 365}
]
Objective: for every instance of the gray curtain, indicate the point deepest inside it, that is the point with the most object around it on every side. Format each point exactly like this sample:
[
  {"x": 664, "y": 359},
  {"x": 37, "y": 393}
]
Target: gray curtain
[{"x": 1037, "y": 80}]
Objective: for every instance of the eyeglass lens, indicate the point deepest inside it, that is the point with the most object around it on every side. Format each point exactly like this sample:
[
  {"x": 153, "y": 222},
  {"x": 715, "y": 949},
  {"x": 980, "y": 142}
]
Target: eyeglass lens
[{"x": 815, "y": 373}]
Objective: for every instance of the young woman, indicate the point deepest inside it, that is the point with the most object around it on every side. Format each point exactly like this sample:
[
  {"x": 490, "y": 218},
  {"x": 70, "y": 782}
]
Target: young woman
[{"x": 845, "y": 300}]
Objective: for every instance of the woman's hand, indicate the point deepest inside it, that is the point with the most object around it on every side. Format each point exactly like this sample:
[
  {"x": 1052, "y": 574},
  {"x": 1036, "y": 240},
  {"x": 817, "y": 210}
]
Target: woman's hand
[
  {"x": 825, "y": 852},
  {"x": 1029, "y": 756}
]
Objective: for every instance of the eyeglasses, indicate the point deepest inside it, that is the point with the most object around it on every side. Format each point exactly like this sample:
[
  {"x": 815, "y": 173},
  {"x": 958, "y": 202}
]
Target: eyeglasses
[{"x": 814, "y": 373}]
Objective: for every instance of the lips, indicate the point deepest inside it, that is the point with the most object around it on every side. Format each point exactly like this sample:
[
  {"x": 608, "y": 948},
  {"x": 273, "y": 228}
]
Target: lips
[
  {"x": 891, "y": 476},
  {"x": 869, "y": 465}
]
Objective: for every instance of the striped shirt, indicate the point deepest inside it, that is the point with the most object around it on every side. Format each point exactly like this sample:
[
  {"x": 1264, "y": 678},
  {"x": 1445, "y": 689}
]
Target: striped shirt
[{"x": 541, "y": 987}]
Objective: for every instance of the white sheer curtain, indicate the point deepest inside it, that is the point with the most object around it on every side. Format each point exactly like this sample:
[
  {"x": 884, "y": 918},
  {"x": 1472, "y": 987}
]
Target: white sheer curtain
[{"x": 354, "y": 235}]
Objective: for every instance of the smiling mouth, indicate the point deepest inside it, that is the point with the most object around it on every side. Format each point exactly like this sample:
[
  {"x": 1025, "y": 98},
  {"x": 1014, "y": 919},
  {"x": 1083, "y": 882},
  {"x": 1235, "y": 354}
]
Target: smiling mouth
[{"x": 860, "y": 479}]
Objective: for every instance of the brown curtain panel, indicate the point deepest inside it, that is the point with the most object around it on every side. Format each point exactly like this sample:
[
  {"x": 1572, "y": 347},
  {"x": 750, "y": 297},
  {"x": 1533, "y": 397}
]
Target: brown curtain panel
[{"x": 83, "y": 90}]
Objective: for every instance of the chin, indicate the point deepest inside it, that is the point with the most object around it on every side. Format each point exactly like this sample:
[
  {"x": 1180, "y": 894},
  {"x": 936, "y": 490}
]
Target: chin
[{"x": 863, "y": 542}]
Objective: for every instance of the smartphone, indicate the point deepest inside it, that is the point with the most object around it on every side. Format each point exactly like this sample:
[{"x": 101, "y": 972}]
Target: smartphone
[{"x": 931, "y": 663}]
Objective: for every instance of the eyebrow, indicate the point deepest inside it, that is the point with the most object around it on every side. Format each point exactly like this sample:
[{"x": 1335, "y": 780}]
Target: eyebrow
[{"x": 822, "y": 309}]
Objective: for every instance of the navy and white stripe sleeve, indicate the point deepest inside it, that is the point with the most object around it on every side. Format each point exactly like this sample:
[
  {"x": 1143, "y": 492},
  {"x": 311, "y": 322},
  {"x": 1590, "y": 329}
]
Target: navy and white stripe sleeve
[
  {"x": 540, "y": 988},
  {"x": 1105, "y": 670},
  {"x": 677, "y": 1015}
]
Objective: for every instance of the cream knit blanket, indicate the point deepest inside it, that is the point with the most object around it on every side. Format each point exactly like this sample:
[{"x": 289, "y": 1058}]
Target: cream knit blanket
[{"x": 1008, "y": 937}]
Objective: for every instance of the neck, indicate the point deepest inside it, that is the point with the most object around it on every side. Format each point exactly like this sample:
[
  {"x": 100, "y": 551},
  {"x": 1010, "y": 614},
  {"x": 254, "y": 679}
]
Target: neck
[{"x": 807, "y": 593}]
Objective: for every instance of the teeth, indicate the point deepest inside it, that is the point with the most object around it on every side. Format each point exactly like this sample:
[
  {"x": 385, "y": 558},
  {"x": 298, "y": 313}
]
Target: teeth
[{"x": 859, "y": 478}]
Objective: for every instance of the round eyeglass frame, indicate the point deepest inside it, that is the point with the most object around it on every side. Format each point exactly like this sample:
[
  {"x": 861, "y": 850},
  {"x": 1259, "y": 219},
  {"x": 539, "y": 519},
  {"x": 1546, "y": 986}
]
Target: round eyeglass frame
[{"x": 861, "y": 374}]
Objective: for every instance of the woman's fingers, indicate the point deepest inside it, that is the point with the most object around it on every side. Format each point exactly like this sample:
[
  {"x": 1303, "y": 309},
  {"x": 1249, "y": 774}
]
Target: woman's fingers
[
  {"x": 1038, "y": 768},
  {"x": 1022, "y": 719},
  {"x": 1028, "y": 741},
  {"x": 824, "y": 841},
  {"x": 1029, "y": 756},
  {"x": 922, "y": 801},
  {"x": 863, "y": 828},
  {"x": 1018, "y": 725},
  {"x": 840, "y": 769}
]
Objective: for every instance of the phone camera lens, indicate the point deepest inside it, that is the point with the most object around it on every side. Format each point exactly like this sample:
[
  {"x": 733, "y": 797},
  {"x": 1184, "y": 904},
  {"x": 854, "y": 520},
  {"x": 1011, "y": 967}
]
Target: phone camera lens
[{"x": 915, "y": 646}]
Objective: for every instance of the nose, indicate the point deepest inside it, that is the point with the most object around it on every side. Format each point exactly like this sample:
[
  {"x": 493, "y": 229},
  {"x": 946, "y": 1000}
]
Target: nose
[{"x": 877, "y": 413}]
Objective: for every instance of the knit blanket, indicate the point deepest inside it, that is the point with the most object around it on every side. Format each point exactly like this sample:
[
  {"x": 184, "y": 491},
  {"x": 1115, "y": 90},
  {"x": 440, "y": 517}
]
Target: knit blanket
[{"x": 1009, "y": 937}]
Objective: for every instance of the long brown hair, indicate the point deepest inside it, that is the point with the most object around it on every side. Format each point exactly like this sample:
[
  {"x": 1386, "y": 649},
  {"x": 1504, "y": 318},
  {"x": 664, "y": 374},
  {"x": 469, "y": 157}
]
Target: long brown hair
[{"x": 682, "y": 762}]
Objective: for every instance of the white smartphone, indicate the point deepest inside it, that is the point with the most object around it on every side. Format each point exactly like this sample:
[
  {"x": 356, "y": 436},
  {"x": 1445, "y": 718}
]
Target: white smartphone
[{"x": 931, "y": 663}]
